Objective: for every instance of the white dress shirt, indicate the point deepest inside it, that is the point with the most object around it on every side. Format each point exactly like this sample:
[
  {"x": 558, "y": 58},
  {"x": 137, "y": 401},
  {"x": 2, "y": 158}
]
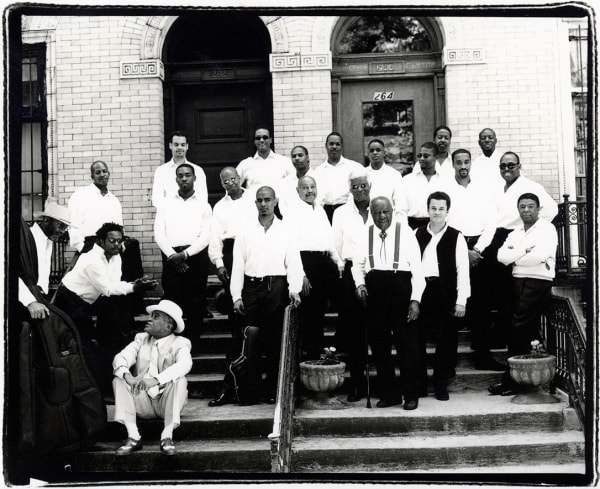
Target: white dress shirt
[
  {"x": 540, "y": 261},
  {"x": 260, "y": 253},
  {"x": 312, "y": 229},
  {"x": 93, "y": 275},
  {"x": 445, "y": 168},
  {"x": 164, "y": 183},
  {"x": 257, "y": 171},
  {"x": 431, "y": 268},
  {"x": 473, "y": 211},
  {"x": 288, "y": 193},
  {"x": 415, "y": 190},
  {"x": 508, "y": 213},
  {"x": 386, "y": 182},
  {"x": 332, "y": 180},
  {"x": 89, "y": 211},
  {"x": 348, "y": 227},
  {"x": 229, "y": 217},
  {"x": 486, "y": 168},
  {"x": 183, "y": 222},
  {"x": 409, "y": 259},
  {"x": 43, "y": 248}
]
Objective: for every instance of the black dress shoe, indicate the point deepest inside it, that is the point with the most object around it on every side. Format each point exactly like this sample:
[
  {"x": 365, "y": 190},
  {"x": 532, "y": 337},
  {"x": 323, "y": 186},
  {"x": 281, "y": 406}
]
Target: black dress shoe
[
  {"x": 441, "y": 393},
  {"x": 207, "y": 314},
  {"x": 355, "y": 395},
  {"x": 221, "y": 400},
  {"x": 501, "y": 389},
  {"x": 129, "y": 447},
  {"x": 412, "y": 404},
  {"x": 394, "y": 401}
]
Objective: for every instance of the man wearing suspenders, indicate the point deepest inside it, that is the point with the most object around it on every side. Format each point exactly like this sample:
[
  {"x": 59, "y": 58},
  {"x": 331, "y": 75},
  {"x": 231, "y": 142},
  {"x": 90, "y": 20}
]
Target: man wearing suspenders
[{"x": 389, "y": 279}]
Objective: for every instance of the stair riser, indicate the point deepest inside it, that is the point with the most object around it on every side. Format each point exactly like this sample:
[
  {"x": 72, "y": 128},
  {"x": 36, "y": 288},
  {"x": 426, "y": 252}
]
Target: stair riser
[
  {"x": 231, "y": 461},
  {"x": 411, "y": 426},
  {"x": 432, "y": 458},
  {"x": 194, "y": 429}
]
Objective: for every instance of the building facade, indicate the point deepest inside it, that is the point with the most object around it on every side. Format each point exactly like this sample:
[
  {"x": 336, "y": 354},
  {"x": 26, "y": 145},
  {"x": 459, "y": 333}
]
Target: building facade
[{"x": 113, "y": 87}]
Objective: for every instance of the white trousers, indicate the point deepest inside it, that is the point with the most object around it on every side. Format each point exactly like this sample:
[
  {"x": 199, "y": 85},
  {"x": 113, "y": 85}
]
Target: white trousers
[{"x": 167, "y": 406}]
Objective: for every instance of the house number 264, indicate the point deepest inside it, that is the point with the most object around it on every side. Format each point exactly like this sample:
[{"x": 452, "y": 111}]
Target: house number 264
[{"x": 383, "y": 96}]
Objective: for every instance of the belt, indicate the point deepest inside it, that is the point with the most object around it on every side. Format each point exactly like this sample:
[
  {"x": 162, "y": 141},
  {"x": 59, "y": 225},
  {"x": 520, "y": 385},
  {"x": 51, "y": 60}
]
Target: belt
[
  {"x": 262, "y": 279},
  {"x": 316, "y": 253},
  {"x": 431, "y": 279},
  {"x": 179, "y": 249}
]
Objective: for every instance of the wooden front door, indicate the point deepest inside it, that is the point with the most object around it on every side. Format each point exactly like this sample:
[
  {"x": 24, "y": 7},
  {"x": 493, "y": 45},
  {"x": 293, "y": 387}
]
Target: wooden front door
[
  {"x": 402, "y": 113},
  {"x": 220, "y": 120}
]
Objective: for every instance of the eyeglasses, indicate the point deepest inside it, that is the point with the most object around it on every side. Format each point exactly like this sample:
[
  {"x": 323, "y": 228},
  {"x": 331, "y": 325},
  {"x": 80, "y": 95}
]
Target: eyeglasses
[
  {"x": 115, "y": 240},
  {"x": 264, "y": 138},
  {"x": 510, "y": 166},
  {"x": 229, "y": 180},
  {"x": 361, "y": 186}
]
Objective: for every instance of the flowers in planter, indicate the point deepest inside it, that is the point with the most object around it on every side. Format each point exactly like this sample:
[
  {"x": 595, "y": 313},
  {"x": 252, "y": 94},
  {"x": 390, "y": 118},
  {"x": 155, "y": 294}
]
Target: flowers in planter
[
  {"x": 537, "y": 349},
  {"x": 329, "y": 357}
]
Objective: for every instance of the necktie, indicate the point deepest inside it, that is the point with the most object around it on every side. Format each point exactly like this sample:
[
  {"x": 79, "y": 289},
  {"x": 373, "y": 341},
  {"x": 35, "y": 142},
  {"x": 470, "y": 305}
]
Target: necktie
[
  {"x": 153, "y": 369},
  {"x": 382, "y": 250}
]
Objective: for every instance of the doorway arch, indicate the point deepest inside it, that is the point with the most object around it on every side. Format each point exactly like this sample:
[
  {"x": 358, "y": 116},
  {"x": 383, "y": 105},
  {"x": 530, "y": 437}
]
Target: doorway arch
[
  {"x": 217, "y": 87},
  {"x": 387, "y": 82}
]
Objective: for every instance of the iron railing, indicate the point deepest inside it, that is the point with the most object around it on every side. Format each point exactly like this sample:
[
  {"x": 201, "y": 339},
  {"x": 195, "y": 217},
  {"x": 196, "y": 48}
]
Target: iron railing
[
  {"x": 571, "y": 226},
  {"x": 564, "y": 336},
  {"x": 283, "y": 420}
]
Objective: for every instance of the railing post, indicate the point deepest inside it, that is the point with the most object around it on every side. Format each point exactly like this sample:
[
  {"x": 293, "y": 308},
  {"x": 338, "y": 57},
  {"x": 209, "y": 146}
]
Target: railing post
[{"x": 567, "y": 232}]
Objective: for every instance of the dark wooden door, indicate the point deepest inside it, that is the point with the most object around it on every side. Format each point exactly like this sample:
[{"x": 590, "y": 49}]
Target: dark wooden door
[{"x": 220, "y": 119}]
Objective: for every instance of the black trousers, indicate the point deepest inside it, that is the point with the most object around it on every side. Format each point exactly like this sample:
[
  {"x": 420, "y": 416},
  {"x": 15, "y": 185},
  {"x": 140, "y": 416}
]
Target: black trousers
[
  {"x": 437, "y": 324},
  {"x": 387, "y": 308},
  {"x": 228, "y": 303},
  {"x": 350, "y": 333},
  {"x": 265, "y": 301},
  {"x": 188, "y": 290},
  {"x": 329, "y": 209},
  {"x": 100, "y": 343},
  {"x": 477, "y": 318},
  {"x": 321, "y": 272},
  {"x": 497, "y": 288}
]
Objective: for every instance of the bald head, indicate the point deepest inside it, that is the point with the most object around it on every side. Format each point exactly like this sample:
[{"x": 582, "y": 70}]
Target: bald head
[
  {"x": 307, "y": 189},
  {"x": 230, "y": 181}
]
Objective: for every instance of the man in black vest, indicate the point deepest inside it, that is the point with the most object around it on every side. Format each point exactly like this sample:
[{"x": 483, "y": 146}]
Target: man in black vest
[{"x": 446, "y": 267}]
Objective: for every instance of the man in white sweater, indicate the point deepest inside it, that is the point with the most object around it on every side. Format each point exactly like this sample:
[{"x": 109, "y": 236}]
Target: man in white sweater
[{"x": 531, "y": 250}]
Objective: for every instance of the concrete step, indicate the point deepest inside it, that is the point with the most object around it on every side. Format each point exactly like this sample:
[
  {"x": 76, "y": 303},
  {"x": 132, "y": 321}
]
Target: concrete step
[
  {"x": 200, "y": 422},
  {"x": 465, "y": 413},
  {"x": 231, "y": 455},
  {"x": 365, "y": 454}
]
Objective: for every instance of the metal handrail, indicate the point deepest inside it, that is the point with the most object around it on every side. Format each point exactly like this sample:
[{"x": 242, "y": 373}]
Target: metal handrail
[
  {"x": 564, "y": 336},
  {"x": 571, "y": 227},
  {"x": 281, "y": 436}
]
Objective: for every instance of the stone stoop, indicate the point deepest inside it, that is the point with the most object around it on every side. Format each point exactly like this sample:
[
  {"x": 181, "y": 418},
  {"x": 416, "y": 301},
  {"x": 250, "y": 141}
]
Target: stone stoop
[{"x": 473, "y": 431}]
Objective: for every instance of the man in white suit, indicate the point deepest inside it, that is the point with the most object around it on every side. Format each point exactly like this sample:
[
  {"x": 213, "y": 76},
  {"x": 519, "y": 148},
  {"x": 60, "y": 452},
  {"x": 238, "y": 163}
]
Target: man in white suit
[{"x": 156, "y": 386}]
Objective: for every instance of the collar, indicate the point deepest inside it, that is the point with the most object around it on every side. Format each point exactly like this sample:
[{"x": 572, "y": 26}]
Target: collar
[
  {"x": 175, "y": 165},
  {"x": 437, "y": 234},
  {"x": 355, "y": 207},
  {"x": 161, "y": 342},
  {"x": 417, "y": 168},
  {"x": 269, "y": 156},
  {"x": 193, "y": 196},
  {"x": 97, "y": 190}
]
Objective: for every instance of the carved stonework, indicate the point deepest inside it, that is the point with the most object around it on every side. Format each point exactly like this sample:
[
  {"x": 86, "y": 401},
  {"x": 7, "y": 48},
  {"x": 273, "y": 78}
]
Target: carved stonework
[
  {"x": 300, "y": 62},
  {"x": 147, "y": 68},
  {"x": 278, "y": 32},
  {"x": 322, "y": 29},
  {"x": 463, "y": 56},
  {"x": 39, "y": 22},
  {"x": 153, "y": 36}
]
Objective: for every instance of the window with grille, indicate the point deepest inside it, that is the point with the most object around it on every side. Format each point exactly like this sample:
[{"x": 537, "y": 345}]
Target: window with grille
[
  {"x": 34, "y": 170},
  {"x": 578, "y": 50}
]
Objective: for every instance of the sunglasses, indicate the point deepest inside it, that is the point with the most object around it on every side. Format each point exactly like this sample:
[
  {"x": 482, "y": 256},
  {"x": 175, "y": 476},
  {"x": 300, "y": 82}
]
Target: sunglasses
[
  {"x": 510, "y": 166},
  {"x": 258, "y": 138},
  {"x": 114, "y": 240},
  {"x": 361, "y": 186}
]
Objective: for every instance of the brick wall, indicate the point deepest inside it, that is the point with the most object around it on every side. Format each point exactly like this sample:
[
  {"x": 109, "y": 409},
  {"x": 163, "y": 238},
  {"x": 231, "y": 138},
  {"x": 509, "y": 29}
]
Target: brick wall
[
  {"x": 100, "y": 116},
  {"x": 513, "y": 92}
]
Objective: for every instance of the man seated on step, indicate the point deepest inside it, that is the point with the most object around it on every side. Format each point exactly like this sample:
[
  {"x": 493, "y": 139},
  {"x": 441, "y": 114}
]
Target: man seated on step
[
  {"x": 530, "y": 250},
  {"x": 389, "y": 279},
  {"x": 149, "y": 377},
  {"x": 446, "y": 267}
]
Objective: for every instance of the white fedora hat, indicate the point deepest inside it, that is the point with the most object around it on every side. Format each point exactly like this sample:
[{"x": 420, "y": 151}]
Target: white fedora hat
[
  {"x": 172, "y": 310},
  {"x": 55, "y": 211}
]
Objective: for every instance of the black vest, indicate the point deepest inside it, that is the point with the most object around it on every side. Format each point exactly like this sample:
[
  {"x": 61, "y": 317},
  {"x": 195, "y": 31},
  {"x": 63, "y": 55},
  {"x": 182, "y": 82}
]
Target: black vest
[{"x": 446, "y": 256}]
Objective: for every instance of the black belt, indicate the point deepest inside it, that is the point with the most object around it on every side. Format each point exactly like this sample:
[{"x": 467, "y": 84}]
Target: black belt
[
  {"x": 179, "y": 249},
  {"x": 315, "y": 253},
  {"x": 431, "y": 279},
  {"x": 262, "y": 279}
]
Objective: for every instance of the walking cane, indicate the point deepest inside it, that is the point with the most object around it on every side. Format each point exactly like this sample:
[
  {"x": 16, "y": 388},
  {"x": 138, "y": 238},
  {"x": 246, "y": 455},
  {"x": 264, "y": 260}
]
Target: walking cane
[{"x": 367, "y": 366}]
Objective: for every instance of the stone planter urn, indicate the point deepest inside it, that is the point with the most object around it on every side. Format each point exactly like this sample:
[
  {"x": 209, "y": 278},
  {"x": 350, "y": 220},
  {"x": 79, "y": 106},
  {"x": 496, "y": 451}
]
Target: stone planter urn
[
  {"x": 531, "y": 371},
  {"x": 322, "y": 379}
]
